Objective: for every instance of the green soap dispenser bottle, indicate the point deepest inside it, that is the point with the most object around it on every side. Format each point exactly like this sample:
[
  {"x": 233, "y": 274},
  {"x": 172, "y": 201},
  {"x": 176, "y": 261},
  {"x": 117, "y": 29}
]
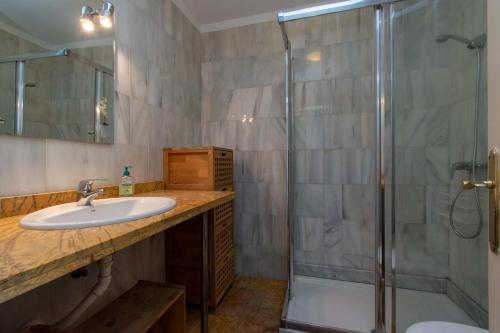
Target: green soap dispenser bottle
[{"x": 127, "y": 183}]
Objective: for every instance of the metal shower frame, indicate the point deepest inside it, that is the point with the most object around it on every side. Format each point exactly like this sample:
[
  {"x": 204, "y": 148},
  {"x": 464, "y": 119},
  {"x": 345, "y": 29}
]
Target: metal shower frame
[{"x": 380, "y": 79}]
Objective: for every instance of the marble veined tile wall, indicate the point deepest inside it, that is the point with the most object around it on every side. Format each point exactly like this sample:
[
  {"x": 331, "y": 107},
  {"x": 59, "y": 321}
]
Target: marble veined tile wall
[
  {"x": 157, "y": 104},
  {"x": 242, "y": 109},
  {"x": 334, "y": 135}
]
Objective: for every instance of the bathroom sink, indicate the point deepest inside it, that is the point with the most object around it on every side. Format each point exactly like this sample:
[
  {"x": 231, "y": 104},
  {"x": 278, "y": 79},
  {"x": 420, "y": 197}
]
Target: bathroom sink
[{"x": 105, "y": 211}]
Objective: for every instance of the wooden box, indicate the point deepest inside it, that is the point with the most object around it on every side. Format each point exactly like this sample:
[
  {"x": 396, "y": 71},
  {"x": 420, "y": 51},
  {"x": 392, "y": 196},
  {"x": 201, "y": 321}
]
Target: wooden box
[
  {"x": 201, "y": 169},
  {"x": 205, "y": 168}
]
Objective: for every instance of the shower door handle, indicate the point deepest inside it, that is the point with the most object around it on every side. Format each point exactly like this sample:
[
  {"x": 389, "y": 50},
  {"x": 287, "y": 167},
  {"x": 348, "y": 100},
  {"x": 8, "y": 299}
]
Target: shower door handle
[
  {"x": 491, "y": 185},
  {"x": 494, "y": 236}
]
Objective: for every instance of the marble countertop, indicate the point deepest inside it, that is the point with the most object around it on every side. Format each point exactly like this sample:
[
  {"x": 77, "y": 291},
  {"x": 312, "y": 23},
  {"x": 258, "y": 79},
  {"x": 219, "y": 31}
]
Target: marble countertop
[{"x": 31, "y": 258}]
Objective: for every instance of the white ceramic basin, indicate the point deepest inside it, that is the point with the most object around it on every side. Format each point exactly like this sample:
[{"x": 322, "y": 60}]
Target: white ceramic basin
[{"x": 105, "y": 211}]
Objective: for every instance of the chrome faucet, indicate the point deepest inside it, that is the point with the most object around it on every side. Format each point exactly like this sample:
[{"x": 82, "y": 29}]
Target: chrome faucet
[{"x": 85, "y": 188}]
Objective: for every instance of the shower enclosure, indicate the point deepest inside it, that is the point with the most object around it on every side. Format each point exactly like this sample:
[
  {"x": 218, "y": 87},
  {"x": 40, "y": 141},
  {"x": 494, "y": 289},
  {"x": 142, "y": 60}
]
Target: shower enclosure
[{"x": 386, "y": 117}]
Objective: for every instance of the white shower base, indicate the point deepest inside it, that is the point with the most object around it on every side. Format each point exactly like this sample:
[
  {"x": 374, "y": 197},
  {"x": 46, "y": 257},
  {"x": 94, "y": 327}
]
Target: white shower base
[{"x": 350, "y": 306}]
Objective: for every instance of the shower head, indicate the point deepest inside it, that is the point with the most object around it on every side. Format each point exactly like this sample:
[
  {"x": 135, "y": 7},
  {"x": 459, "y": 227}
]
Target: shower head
[{"x": 476, "y": 43}]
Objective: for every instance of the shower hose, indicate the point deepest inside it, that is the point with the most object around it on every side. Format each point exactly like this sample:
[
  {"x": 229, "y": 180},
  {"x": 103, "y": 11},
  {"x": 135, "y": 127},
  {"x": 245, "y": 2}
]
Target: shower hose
[{"x": 479, "y": 228}]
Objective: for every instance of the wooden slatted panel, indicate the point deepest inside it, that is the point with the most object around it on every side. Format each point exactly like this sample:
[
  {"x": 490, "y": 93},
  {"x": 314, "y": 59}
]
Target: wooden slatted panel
[
  {"x": 223, "y": 251},
  {"x": 223, "y": 165}
]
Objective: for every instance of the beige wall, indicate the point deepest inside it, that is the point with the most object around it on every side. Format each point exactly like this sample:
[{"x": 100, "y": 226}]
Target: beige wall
[{"x": 156, "y": 104}]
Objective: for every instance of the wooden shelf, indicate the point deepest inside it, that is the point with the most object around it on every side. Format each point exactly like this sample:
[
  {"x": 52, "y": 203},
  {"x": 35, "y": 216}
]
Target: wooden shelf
[{"x": 147, "y": 307}]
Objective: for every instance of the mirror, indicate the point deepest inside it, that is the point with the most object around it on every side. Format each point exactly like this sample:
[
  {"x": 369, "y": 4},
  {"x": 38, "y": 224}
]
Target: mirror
[{"x": 57, "y": 69}]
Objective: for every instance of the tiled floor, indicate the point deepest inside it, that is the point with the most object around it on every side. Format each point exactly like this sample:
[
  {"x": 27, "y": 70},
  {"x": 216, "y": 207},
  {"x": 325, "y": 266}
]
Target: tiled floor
[
  {"x": 350, "y": 305},
  {"x": 250, "y": 306}
]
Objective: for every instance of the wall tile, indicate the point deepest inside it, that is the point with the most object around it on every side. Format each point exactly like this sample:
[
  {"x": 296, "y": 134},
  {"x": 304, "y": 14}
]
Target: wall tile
[
  {"x": 309, "y": 234},
  {"x": 309, "y": 200},
  {"x": 309, "y": 133},
  {"x": 18, "y": 154},
  {"x": 437, "y": 166},
  {"x": 309, "y": 166}
]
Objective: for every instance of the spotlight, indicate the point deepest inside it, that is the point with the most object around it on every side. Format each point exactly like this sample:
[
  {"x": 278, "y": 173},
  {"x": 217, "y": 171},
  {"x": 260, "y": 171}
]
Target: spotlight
[
  {"x": 106, "y": 15},
  {"x": 87, "y": 19},
  {"x": 89, "y": 15}
]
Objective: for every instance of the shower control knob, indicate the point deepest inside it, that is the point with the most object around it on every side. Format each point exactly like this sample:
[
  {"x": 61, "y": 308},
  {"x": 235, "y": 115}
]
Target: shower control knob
[{"x": 468, "y": 185}]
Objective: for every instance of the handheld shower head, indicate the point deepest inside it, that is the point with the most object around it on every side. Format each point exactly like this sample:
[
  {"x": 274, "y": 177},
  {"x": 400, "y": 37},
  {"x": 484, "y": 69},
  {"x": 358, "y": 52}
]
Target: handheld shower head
[{"x": 476, "y": 43}]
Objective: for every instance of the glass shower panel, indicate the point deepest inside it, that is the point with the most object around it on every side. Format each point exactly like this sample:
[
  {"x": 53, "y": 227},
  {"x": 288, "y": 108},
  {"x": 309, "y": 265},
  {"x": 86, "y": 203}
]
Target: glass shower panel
[
  {"x": 333, "y": 98},
  {"x": 7, "y": 97},
  {"x": 440, "y": 140}
]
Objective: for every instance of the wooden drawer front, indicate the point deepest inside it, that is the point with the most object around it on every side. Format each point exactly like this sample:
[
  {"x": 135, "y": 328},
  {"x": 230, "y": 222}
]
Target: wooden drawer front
[{"x": 223, "y": 170}]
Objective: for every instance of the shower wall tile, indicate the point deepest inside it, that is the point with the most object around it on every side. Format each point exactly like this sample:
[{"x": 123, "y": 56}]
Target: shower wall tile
[
  {"x": 332, "y": 240},
  {"x": 352, "y": 238},
  {"x": 309, "y": 166},
  {"x": 411, "y": 204},
  {"x": 332, "y": 131},
  {"x": 357, "y": 167},
  {"x": 437, "y": 124},
  {"x": 437, "y": 165},
  {"x": 412, "y": 163},
  {"x": 333, "y": 166},
  {"x": 437, "y": 90},
  {"x": 309, "y": 200},
  {"x": 333, "y": 203},
  {"x": 242, "y": 108},
  {"x": 309, "y": 234},
  {"x": 314, "y": 97},
  {"x": 411, "y": 128},
  {"x": 309, "y": 132},
  {"x": 351, "y": 130},
  {"x": 357, "y": 202}
]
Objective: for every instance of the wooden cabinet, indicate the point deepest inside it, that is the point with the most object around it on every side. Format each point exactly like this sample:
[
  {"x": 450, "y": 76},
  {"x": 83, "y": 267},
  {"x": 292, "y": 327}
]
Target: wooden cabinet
[{"x": 207, "y": 168}]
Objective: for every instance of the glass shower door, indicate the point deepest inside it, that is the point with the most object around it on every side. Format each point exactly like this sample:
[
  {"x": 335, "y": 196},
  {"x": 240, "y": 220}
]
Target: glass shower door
[
  {"x": 439, "y": 105},
  {"x": 333, "y": 157}
]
